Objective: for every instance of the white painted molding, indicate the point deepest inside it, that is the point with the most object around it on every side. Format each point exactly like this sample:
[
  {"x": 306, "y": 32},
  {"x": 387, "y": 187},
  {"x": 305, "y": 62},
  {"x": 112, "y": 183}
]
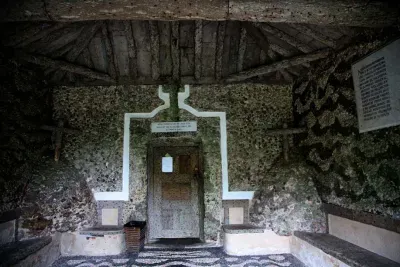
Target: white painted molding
[
  {"x": 226, "y": 194},
  {"x": 124, "y": 194}
]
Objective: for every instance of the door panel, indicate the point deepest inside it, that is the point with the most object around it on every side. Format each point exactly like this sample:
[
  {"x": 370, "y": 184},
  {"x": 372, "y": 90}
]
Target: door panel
[{"x": 175, "y": 195}]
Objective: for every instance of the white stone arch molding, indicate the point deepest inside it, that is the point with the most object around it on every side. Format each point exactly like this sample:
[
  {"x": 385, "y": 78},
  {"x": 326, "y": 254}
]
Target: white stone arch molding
[{"x": 124, "y": 194}]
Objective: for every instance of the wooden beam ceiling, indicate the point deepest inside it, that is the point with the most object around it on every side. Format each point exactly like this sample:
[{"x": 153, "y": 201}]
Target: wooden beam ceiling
[
  {"x": 161, "y": 52},
  {"x": 66, "y": 66},
  {"x": 324, "y": 12},
  {"x": 280, "y": 65}
]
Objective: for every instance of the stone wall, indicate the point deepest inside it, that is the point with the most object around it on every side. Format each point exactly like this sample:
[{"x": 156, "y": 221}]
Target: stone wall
[
  {"x": 96, "y": 152},
  {"x": 52, "y": 196},
  {"x": 357, "y": 171},
  {"x": 24, "y": 107},
  {"x": 287, "y": 199}
]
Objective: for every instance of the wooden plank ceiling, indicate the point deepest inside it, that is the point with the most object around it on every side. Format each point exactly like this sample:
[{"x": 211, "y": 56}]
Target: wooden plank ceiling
[{"x": 159, "y": 52}]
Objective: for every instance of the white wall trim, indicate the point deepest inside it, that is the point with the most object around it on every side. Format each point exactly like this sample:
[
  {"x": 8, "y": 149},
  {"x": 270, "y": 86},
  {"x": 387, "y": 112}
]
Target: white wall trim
[
  {"x": 226, "y": 194},
  {"x": 124, "y": 194}
]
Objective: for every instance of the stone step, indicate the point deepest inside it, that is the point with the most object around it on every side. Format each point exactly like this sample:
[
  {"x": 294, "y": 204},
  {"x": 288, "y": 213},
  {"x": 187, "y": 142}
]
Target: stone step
[
  {"x": 316, "y": 250},
  {"x": 14, "y": 252}
]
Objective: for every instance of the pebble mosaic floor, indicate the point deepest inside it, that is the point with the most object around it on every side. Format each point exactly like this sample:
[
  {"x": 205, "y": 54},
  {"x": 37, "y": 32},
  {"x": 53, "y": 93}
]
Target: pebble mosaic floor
[{"x": 211, "y": 257}]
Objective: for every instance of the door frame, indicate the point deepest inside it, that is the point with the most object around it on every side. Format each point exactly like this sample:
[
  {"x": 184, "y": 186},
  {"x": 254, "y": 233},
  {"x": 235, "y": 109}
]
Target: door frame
[{"x": 174, "y": 142}]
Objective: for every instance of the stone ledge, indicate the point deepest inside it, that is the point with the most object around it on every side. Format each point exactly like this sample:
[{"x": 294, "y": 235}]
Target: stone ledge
[
  {"x": 345, "y": 251},
  {"x": 13, "y": 253},
  {"x": 380, "y": 221},
  {"x": 241, "y": 229},
  {"x": 101, "y": 231}
]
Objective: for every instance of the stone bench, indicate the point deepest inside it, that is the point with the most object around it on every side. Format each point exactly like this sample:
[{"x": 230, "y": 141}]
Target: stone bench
[
  {"x": 36, "y": 252},
  {"x": 316, "y": 250},
  {"x": 244, "y": 239},
  {"x": 97, "y": 241}
]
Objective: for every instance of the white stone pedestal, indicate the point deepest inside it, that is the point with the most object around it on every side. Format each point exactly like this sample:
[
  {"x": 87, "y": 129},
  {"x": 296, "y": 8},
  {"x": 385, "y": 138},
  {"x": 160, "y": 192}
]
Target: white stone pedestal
[
  {"x": 242, "y": 240},
  {"x": 93, "y": 242}
]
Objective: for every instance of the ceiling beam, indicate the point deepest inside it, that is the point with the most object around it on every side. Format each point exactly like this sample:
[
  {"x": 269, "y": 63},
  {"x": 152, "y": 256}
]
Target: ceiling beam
[
  {"x": 198, "y": 48},
  {"x": 132, "y": 55},
  {"x": 324, "y": 12},
  {"x": 155, "y": 49},
  {"x": 219, "y": 49},
  {"x": 257, "y": 35},
  {"x": 41, "y": 34},
  {"x": 242, "y": 48},
  {"x": 286, "y": 63},
  {"x": 284, "y": 37},
  {"x": 175, "y": 52},
  {"x": 66, "y": 66},
  {"x": 80, "y": 44},
  {"x": 108, "y": 42},
  {"x": 316, "y": 35}
]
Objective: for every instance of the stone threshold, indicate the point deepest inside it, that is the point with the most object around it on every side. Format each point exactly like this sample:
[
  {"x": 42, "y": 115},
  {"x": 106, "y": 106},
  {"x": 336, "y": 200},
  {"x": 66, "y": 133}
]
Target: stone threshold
[
  {"x": 155, "y": 245},
  {"x": 344, "y": 251}
]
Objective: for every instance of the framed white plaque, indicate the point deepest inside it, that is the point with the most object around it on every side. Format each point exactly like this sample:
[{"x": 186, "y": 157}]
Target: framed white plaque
[
  {"x": 377, "y": 87},
  {"x": 178, "y": 126}
]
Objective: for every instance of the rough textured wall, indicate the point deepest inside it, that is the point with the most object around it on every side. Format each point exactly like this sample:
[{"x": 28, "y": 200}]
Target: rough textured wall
[
  {"x": 287, "y": 199},
  {"x": 357, "y": 171},
  {"x": 57, "y": 200},
  {"x": 97, "y": 151},
  {"x": 52, "y": 197},
  {"x": 251, "y": 110},
  {"x": 23, "y": 108}
]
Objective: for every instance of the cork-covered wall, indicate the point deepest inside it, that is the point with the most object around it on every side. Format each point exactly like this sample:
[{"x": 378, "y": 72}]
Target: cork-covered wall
[
  {"x": 52, "y": 196},
  {"x": 24, "y": 106},
  {"x": 356, "y": 171},
  {"x": 97, "y": 150}
]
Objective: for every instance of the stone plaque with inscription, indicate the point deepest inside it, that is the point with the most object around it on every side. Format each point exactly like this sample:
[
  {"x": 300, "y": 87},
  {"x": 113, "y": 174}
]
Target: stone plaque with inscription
[
  {"x": 171, "y": 127},
  {"x": 377, "y": 87}
]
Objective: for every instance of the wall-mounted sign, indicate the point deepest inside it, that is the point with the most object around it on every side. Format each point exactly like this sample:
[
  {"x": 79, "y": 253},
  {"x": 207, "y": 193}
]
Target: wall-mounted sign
[
  {"x": 169, "y": 127},
  {"x": 377, "y": 85}
]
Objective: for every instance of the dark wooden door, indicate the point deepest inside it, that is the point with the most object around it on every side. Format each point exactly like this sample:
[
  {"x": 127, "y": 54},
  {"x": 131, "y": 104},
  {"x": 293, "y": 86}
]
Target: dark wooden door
[{"x": 174, "y": 206}]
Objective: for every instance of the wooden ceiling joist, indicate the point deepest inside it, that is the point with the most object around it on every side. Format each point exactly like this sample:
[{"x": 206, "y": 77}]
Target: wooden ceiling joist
[
  {"x": 284, "y": 37},
  {"x": 111, "y": 66},
  {"x": 286, "y": 63},
  {"x": 175, "y": 53},
  {"x": 66, "y": 66},
  {"x": 324, "y": 12},
  {"x": 198, "y": 49},
  {"x": 80, "y": 44},
  {"x": 219, "y": 49},
  {"x": 242, "y": 48},
  {"x": 155, "y": 49},
  {"x": 132, "y": 55},
  {"x": 317, "y": 36},
  {"x": 41, "y": 34},
  {"x": 258, "y": 36}
]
